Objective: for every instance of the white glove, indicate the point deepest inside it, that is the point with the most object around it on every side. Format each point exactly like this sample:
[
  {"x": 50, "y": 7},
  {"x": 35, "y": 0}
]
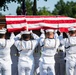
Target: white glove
[
  {"x": 31, "y": 31},
  {"x": 56, "y": 31},
  {"x": 12, "y": 36},
  {"x": 42, "y": 31}
]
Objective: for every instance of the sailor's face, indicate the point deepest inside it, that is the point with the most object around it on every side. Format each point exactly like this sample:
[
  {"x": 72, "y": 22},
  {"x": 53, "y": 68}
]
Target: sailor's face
[
  {"x": 75, "y": 32},
  {"x": 2, "y": 36},
  {"x": 26, "y": 36},
  {"x": 72, "y": 33},
  {"x": 50, "y": 35}
]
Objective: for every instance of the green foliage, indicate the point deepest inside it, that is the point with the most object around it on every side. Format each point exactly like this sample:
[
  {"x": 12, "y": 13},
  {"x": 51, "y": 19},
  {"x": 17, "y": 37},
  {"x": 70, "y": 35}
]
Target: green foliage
[
  {"x": 59, "y": 8},
  {"x": 71, "y": 6},
  {"x": 29, "y": 5},
  {"x": 43, "y": 11},
  {"x": 3, "y": 6},
  {"x": 67, "y": 9},
  {"x": 31, "y": 11},
  {"x": 3, "y": 3},
  {"x": 18, "y": 11}
]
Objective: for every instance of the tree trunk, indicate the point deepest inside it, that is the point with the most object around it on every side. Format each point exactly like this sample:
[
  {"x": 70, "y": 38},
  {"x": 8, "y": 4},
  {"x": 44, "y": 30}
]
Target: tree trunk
[{"x": 35, "y": 8}]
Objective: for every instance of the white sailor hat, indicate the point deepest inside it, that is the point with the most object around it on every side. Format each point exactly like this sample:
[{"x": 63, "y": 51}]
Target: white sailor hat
[
  {"x": 50, "y": 30},
  {"x": 71, "y": 29},
  {"x": 25, "y": 32},
  {"x": 3, "y": 31}
]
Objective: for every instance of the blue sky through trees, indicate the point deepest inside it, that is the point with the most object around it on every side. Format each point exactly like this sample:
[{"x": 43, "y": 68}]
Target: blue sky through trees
[{"x": 49, "y": 4}]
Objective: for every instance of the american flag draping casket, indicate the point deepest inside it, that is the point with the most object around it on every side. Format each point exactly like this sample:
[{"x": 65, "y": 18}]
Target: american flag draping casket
[{"x": 18, "y": 23}]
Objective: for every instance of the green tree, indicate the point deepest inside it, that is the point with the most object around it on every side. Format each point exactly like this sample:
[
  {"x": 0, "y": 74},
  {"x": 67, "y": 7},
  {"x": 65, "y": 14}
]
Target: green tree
[
  {"x": 18, "y": 10},
  {"x": 35, "y": 7},
  {"x": 29, "y": 5},
  {"x": 71, "y": 9},
  {"x": 59, "y": 8},
  {"x": 67, "y": 9},
  {"x": 3, "y": 4},
  {"x": 43, "y": 11}
]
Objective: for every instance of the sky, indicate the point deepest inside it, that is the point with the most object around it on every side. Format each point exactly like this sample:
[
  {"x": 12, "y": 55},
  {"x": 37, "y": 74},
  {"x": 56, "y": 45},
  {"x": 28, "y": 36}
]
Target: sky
[{"x": 50, "y": 4}]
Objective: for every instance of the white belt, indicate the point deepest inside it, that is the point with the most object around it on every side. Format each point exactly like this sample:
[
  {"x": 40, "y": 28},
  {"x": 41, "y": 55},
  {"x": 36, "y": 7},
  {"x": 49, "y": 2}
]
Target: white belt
[{"x": 46, "y": 59}]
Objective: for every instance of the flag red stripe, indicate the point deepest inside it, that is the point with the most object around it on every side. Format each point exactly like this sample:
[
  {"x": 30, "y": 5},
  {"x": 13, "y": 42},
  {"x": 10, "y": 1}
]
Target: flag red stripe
[
  {"x": 42, "y": 21},
  {"x": 51, "y": 21},
  {"x": 16, "y": 29},
  {"x": 16, "y": 22}
]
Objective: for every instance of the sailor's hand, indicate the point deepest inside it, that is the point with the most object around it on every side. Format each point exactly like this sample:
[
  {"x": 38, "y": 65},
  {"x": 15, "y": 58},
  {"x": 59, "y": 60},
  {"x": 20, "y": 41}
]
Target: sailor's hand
[
  {"x": 56, "y": 31},
  {"x": 31, "y": 31},
  {"x": 42, "y": 31}
]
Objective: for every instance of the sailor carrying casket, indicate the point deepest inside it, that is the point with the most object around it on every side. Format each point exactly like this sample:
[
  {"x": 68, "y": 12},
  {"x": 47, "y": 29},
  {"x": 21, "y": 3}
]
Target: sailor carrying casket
[
  {"x": 70, "y": 49},
  {"x": 26, "y": 48},
  {"x": 49, "y": 46},
  {"x": 5, "y": 58}
]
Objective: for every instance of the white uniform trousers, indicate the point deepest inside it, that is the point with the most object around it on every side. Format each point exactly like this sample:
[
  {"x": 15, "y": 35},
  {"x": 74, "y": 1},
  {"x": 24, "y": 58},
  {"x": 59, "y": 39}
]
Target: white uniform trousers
[
  {"x": 25, "y": 68},
  {"x": 47, "y": 69},
  {"x": 71, "y": 65},
  {"x": 5, "y": 68},
  {"x": 47, "y": 65}
]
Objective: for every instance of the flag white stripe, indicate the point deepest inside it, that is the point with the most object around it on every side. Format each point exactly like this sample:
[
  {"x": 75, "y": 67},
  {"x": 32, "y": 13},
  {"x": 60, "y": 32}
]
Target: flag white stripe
[{"x": 37, "y": 19}]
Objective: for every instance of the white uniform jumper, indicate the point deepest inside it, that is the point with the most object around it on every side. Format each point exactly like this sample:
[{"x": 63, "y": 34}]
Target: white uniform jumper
[
  {"x": 5, "y": 59},
  {"x": 47, "y": 62},
  {"x": 70, "y": 46},
  {"x": 26, "y": 60}
]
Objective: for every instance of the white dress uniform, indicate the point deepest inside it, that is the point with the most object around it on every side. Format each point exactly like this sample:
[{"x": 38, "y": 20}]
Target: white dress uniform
[
  {"x": 70, "y": 48},
  {"x": 49, "y": 48},
  {"x": 26, "y": 59},
  {"x": 5, "y": 59}
]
